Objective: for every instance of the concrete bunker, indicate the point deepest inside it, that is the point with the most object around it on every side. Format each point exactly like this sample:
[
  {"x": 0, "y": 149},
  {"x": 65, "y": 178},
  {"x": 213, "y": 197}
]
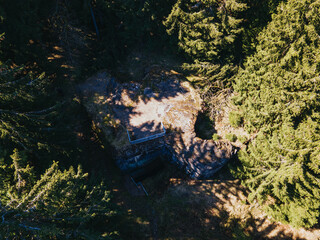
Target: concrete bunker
[{"x": 148, "y": 123}]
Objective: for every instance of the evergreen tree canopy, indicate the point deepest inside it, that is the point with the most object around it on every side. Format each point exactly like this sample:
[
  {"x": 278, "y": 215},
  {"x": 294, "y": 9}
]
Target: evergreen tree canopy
[
  {"x": 256, "y": 18},
  {"x": 59, "y": 205},
  {"x": 124, "y": 25},
  {"x": 207, "y": 29},
  {"x": 207, "y": 32},
  {"x": 26, "y": 108},
  {"x": 279, "y": 93},
  {"x": 23, "y": 22}
]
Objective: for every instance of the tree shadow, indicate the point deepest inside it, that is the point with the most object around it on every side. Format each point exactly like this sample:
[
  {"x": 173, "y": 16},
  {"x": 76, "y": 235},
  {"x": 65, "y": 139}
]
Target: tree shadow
[
  {"x": 204, "y": 126},
  {"x": 201, "y": 159},
  {"x": 140, "y": 109},
  {"x": 215, "y": 209}
]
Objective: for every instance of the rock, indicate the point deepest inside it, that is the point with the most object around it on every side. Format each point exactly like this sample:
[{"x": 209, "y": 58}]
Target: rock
[{"x": 175, "y": 103}]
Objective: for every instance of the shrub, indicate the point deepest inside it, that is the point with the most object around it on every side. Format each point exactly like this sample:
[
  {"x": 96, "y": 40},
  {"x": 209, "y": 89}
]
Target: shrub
[
  {"x": 242, "y": 139},
  {"x": 235, "y": 119},
  {"x": 231, "y": 137},
  {"x": 215, "y": 137}
]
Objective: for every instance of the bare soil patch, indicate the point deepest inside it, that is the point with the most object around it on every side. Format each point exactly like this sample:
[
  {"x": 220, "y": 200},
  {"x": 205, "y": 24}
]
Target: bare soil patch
[{"x": 211, "y": 208}]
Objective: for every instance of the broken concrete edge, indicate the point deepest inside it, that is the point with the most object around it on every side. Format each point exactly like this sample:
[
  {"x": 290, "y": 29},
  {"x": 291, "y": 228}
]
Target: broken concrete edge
[
  {"x": 148, "y": 138},
  {"x": 197, "y": 171}
]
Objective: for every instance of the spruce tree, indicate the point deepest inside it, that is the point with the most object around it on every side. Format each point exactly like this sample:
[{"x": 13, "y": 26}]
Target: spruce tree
[
  {"x": 59, "y": 205},
  {"x": 32, "y": 116},
  {"x": 123, "y": 25},
  {"x": 207, "y": 32},
  {"x": 23, "y": 23},
  {"x": 256, "y": 18},
  {"x": 22, "y": 170},
  {"x": 279, "y": 93},
  {"x": 26, "y": 108}
]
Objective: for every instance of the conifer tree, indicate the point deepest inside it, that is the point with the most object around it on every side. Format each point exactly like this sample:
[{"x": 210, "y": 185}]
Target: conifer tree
[
  {"x": 25, "y": 108},
  {"x": 23, "y": 22},
  {"x": 31, "y": 117},
  {"x": 59, "y": 205},
  {"x": 126, "y": 24},
  {"x": 256, "y": 18},
  {"x": 279, "y": 93},
  {"x": 22, "y": 170},
  {"x": 207, "y": 32}
]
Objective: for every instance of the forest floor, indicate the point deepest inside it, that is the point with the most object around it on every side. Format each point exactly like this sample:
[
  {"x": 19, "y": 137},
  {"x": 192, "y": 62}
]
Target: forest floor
[{"x": 221, "y": 206}]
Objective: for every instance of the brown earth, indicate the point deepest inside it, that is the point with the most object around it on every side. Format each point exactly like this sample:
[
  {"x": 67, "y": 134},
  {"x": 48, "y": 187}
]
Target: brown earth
[{"x": 219, "y": 209}]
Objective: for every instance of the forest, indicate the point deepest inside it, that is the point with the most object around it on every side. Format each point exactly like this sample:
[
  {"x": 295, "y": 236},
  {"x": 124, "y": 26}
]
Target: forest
[{"x": 258, "y": 59}]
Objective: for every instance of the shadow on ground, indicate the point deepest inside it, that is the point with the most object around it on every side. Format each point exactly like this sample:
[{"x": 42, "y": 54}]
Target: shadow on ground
[{"x": 217, "y": 209}]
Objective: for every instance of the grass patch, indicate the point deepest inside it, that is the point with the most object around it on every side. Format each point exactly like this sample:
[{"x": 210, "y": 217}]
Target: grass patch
[
  {"x": 215, "y": 137},
  {"x": 242, "y": 139},
  {"x": 231, "y": 137},
  {"x": 235, "y": 119}
]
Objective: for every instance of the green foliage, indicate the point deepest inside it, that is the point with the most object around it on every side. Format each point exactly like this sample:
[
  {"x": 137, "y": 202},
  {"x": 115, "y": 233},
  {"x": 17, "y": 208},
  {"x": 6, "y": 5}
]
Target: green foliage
[
  {"x": 235, "y": 119},
  {"x": 21, "y": 96},
  {"x": 215, "y": 137},
  {"x": 31, "y": 118},
  {"x": 206, "y": 29},
  {"x": 278, "y": 94},
  {"x": 207, "y": 32},
  {"x": 22, "y": 170},
  {"x": 257, "y": 16},
  {"x": 59, "y": 204},
  {"x": 34, "y": 128},
  {"x": 279, "y": 91},
  {"x": 242, "y": 138},
  {"x": 124, "y": 25},
  {"x": 142, "y": 21},
  {"x": 231, "y": 137},
  {"x": 22, "y": 23}
]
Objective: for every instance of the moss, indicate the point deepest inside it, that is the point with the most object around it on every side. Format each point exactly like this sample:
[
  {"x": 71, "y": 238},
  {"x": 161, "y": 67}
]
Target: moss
[
  {"x": 231, "y": 137},
  {"x": 235, "y": 119},
  {"x": 215, "y": 137}
]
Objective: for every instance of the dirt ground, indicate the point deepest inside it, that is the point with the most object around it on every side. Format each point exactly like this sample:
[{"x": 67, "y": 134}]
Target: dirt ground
[{"x": 222, "y": 207}]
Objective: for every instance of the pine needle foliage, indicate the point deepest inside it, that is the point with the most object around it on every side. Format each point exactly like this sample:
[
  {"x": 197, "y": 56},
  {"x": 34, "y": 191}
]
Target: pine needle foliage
[
  {"x": 205, "y": 29},
  {"x": 124, "y": 25},
  {"x": 22, "y": 109},
  {"x": 58, "y": 205},
  {"x": 257, "y": 17},
  {"x": 278, "y": 92},
  {"x": 31, "y": 117},
  {"x": 207, "y": 32},
  {"x": 23, "y": 23}
]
